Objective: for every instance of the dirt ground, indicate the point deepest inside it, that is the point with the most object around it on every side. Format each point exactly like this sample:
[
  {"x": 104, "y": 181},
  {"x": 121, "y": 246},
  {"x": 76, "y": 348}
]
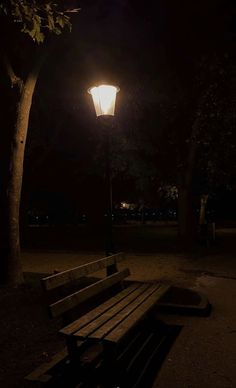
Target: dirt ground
[{"x": 203, "y": 355}]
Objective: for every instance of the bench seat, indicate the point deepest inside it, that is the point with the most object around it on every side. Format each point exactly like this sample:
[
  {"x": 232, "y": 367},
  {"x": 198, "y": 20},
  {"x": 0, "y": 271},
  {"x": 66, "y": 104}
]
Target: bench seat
[{"x": 113, "y": 320}]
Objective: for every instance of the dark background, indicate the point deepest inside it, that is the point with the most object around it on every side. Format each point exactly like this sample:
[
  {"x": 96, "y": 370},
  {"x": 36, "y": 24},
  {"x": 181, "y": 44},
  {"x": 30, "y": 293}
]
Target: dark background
[{"x": 163, "y": 55}]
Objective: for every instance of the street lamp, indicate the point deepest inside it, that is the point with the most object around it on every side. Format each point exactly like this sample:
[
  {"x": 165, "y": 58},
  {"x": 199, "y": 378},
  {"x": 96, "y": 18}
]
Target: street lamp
[{"x": 104, "y": 99}]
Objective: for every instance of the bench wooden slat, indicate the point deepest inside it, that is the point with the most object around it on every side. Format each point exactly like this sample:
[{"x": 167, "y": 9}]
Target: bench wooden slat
[
  {"x": 61, "y": 278},
  {"x": 118, "y": 318},
  {"x": 138, "y": 314},
  {"x": 80, "y": 296},
  {"x": 109, "y": 314},
  {"x": 96, "y": 312}
]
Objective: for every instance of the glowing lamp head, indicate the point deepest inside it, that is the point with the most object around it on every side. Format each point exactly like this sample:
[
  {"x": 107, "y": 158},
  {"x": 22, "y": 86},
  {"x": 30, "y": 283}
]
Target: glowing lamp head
[{"x": 104, "y": 99}]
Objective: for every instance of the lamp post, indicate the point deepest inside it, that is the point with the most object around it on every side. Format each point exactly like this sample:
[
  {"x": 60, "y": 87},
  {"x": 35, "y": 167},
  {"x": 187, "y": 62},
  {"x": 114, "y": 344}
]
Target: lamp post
[{"x": 104, "y": 99}]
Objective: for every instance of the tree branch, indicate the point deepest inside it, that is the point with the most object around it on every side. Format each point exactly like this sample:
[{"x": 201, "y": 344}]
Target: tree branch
[
  {"x": 74, "y": 10},
  {"x": 15, "y": 80}
]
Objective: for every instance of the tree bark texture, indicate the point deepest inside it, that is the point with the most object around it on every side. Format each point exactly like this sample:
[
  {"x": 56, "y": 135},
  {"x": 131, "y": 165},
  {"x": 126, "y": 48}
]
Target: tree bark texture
[{"x": 11, "y": 271}]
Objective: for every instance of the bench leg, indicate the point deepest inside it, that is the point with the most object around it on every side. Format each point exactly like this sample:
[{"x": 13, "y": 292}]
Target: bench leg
[
  {"x": 72, "y": 348},
  {"x": 75, "y": 349},
  {"x": 111, "y": 371},
  {"x": 84, "y": 360}
]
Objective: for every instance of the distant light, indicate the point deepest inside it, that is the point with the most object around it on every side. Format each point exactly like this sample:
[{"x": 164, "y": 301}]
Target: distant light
[
  {"x": 104, "y": 99},
  {"x": 126, "y": 205}
]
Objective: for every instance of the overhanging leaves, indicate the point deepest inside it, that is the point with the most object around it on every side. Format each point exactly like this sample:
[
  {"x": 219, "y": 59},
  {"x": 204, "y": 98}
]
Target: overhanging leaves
[{"x": 37, "y": 17}]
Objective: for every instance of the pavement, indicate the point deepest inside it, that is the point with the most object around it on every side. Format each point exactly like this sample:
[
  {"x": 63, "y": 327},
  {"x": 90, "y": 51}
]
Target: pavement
[{"x": 204, "y": 354}]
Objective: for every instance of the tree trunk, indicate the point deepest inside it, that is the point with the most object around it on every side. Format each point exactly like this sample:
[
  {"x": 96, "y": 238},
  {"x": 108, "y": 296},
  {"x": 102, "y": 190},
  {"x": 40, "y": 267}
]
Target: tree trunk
[
  {"x": 186, "y": 219},
  {"x": 202, "y": 216},
  {"x": 11, "y": 268}
]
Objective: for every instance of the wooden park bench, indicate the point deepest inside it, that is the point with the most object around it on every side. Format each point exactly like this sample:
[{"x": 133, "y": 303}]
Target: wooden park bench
[{"x": 111, "y": 312}]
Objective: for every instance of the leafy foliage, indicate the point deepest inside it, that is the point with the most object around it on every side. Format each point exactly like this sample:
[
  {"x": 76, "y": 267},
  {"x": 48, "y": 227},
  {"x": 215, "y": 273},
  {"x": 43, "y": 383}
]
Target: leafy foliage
[{"x": 36, "y": 17}]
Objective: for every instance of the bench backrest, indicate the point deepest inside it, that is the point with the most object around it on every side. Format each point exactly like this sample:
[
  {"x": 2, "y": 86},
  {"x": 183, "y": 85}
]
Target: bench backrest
[{"x": 63, "y": 278}]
